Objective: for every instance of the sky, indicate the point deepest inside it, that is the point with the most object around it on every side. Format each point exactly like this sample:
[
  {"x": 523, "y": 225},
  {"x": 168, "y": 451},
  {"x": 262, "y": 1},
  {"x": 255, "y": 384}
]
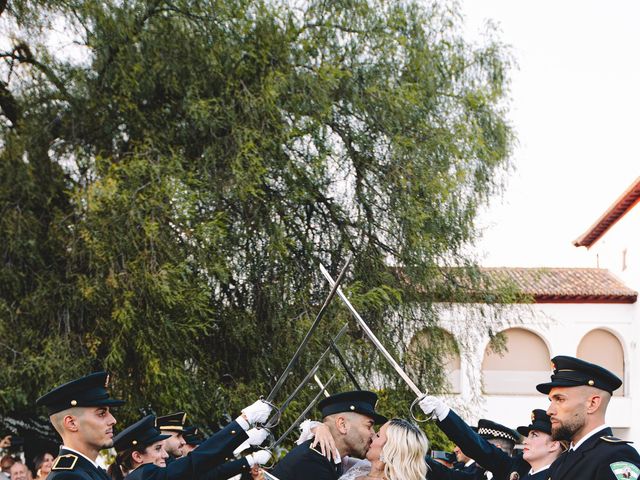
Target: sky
[{"x": 575, "y": 103}]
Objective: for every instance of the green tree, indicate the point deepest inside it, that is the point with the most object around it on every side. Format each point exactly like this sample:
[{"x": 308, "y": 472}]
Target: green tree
[{"x": 171, "y": 177}]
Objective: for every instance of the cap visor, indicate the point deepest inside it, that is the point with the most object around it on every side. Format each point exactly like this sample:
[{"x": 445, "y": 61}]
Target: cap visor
[
  {"x": 524, "y": 431},
  {"x": 157, "y": 438},
  {"x": 110, "y": 402},
  {"x": 379, "y": 419},
  {"x": 546, "y": 387}
]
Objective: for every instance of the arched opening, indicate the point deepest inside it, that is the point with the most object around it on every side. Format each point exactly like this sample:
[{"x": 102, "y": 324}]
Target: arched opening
[
  {"x": 430, "y": 345},
  {"x": 603, "y": 348},
  {"x": 517, "y": 370}
]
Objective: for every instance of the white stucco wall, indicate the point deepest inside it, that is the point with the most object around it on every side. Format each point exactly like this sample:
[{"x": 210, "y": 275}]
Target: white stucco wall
[
  {"x": 618, "y": 250},
  {"x": 609, "y": 251},
  {"x": 561, "y": 327}
]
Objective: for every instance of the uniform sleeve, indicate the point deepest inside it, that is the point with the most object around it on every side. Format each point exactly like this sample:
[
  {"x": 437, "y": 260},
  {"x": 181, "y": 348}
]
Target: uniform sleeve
[
  {"x": 70, "y": 475},
  {"x": 209, "y": 454},
  {"x": 474, "y": 446},
  {"x": 437, "y": 471},
  {"x": 622, "y": 462},
  {"x": 226, "y": 470}
]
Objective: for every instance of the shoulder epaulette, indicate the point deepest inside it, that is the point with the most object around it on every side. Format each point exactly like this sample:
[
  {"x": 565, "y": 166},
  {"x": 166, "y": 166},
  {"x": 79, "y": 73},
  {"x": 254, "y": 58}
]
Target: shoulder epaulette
[
  {"x": 611, "y": 439},
  {"x": 65, "y": 462}
]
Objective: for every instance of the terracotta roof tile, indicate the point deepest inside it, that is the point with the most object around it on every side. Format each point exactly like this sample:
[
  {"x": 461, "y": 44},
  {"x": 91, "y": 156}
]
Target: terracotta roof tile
[
  {"x": 617, "y": 210},
  {"x": 565, "y": 285}
]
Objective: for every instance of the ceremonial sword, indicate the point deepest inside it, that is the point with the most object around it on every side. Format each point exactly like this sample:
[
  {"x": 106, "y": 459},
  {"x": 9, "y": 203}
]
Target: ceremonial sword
[
  {"x": 270, "y": 423},
  {"x": 303, "y": 414},
  {"x": 314, "y": 325},
  {"x": 372, "y": 336}
]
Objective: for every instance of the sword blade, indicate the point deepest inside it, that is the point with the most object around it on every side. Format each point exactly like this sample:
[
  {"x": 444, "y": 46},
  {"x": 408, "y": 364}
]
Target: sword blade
[
  {"x": 303, "y": 414},
  {"x": 317, "y": 379},
  {"x": 372, "y": 335},
  {"x": 343, "y": 361},
  {"x": 315, "y": 368},
  {"x": 314, "y": 325}
]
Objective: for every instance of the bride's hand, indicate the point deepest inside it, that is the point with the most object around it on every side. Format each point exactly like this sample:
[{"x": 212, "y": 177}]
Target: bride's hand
[{"x": 323, "y": 438}]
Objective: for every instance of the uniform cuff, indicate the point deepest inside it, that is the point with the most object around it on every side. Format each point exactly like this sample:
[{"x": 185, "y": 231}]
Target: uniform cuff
[{"x": 243, "y": 423}]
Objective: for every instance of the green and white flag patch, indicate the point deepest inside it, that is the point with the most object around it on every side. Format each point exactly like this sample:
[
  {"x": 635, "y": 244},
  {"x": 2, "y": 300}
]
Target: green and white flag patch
[{"x": 625, "y": 470}]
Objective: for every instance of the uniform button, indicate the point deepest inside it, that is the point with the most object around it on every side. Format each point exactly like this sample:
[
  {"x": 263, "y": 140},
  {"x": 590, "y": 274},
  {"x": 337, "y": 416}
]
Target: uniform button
[{"x": 233, "y": 432}]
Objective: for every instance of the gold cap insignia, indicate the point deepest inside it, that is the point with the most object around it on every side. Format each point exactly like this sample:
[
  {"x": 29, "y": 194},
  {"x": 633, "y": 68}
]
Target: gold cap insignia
[
  {"x": 352, "y": 407},
  {"x": 591, "y": 382},
  {"x": 135, "y": 442},
  {"x": 533, "y": 417},
  {"x": 74, "y": 403}
]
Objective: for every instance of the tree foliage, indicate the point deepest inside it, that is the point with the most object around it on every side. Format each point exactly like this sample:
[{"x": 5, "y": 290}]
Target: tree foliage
[{"x": 171, "y": 177}]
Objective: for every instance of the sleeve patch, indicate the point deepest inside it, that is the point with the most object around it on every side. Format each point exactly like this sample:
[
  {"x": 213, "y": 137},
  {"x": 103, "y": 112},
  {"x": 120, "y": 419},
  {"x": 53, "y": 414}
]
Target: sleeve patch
[{"x": 625, "y": 470}]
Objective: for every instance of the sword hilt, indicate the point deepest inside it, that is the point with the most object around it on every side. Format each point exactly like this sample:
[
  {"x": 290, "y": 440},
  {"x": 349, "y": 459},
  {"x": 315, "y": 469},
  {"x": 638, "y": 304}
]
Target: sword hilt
[
  {"x": 274, "y": 419},
  {"x": 413, "y": 404}
]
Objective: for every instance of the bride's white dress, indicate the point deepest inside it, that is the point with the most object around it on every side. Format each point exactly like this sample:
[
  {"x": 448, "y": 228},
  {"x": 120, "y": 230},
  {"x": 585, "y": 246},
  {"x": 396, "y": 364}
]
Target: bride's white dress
[{"x": 359, "y": 469}]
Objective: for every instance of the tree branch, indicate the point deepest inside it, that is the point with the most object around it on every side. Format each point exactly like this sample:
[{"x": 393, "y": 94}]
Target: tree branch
[{"x": 22, "y": 53}]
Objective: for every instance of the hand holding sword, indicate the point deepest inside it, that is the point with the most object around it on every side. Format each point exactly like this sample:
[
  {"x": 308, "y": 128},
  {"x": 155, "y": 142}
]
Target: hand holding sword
[{"x": 304, "y": 413}]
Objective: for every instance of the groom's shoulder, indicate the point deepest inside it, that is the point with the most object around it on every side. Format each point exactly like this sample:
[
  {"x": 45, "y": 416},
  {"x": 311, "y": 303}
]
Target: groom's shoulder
[{"x": 304, "y": 462}]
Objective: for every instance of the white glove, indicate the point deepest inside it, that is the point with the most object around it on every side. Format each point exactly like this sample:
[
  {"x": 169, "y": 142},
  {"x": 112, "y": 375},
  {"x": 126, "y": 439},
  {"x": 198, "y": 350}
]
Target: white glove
[
  {"x": 257, "y": 412},
  {"x": 260, "y": 457},
  {"x": 256, "y": 437},
  {"x": 434, "y": 407}
]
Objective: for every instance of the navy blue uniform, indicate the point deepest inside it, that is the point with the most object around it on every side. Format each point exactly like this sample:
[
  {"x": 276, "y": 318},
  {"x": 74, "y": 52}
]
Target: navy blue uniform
[
  {"x": 211, "y": 453},
  {"x": 71, "y": 466},
  {"x": 492, "y": 458},
  {"x": 541, "y": 475},
  {"x": 438, "y": 471},
  {"x": 226, "y": 470},
  {"x": 601, "y": 457},
  {"x": 306, "y": 463}
]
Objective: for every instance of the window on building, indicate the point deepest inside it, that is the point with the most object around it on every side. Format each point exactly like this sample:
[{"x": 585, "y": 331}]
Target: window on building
[
  {"x": 431, "y": 345},
  {"x": 603, "y": 348},
  {"x": 517, "y": 370}
]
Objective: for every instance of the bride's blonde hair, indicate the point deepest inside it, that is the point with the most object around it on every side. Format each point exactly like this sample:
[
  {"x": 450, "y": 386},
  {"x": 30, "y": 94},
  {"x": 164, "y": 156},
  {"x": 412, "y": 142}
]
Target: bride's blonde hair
[{"x": 404, "y": 451}]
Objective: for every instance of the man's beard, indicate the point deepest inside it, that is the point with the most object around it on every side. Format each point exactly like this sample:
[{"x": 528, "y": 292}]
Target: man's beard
[
  {"x": 564, "y": 432},
  {"x": 361, "y": 452}
]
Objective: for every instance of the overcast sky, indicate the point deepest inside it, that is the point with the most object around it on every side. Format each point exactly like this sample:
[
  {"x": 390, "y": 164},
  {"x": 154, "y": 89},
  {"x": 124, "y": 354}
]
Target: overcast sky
[{"x": 575, "y": 108}]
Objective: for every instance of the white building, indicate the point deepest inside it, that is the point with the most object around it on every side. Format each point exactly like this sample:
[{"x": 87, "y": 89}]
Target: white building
[{"x": 590, "y": 313}]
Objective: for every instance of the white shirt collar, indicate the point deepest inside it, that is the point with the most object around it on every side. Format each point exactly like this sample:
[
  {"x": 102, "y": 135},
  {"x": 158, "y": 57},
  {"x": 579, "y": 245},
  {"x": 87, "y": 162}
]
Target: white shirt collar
[
  {"x": 81, "y": 454},
  {"x": 470, "y": 462},
  {"x": 531, "y": 472},
  {"x": 587, "y": 436}
]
